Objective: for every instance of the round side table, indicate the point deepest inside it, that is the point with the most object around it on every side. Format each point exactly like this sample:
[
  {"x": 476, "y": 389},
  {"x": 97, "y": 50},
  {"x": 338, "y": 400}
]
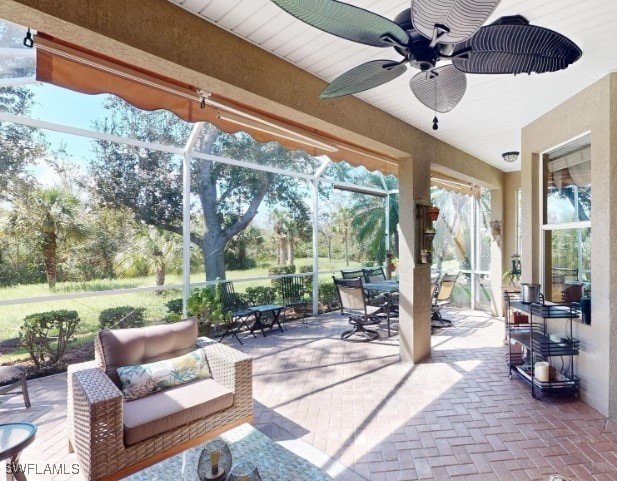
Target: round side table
[{"x": 14, "y": 438}]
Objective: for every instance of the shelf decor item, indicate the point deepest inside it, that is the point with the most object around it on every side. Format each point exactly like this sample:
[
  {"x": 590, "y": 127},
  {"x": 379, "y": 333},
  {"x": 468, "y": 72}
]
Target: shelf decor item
[
  {"x": 429, "y": 234},
  {"x": 433, "y": 213},
  {"x": 215, "y": 461},
  {"x": 244, "y": 471},
  {"x": 425, "y": 257}
]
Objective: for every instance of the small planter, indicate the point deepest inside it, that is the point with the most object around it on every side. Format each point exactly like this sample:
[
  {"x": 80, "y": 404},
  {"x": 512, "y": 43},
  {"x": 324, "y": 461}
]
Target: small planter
[
  {"x": 433, "y": 213},
  {"x": 204, "y": 328},
  {"x": 429, "y": 234}
]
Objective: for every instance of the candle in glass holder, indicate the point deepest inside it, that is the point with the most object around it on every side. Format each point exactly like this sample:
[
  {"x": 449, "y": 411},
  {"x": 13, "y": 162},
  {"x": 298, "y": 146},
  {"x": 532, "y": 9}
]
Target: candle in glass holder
[{"x": 214, "y": 461}]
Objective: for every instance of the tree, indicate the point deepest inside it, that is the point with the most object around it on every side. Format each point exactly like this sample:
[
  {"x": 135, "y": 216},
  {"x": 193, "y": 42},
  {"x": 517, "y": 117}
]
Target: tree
[
  {"x": 150, "y": 250},
  {"x": 342, "y": 225},
  {"x": 149, "y": 182},
  {"x": 288, "y": 228},
  {"x": 326, "y": 229},
  {"x": 369, "y": 219},
  {"x": 50, "y": 216},
  {"x": 242, "y": 246},
  {"x": 20, "y": 146},
  {"x": 95, "y": 256}
]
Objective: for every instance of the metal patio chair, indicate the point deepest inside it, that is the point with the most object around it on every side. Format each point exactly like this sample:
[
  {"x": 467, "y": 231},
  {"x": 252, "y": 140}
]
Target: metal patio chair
[
  {"x": 442, "y": 295},
  {"x": 361, "y": 314},
  {"x": 238, "y": 310},
  {"x": 292, "y": 294},
  {"x": 13, "y": 381}
]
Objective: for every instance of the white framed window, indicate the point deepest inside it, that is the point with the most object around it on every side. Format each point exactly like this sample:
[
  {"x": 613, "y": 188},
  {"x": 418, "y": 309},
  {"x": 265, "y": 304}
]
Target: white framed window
[{"x": 567, "y": 218}]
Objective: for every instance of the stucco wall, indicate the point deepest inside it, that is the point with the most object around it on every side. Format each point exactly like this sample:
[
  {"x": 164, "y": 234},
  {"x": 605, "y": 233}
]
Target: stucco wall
[
  {"x": 512, "y": 182},
  {"x": 592, "y": 110}
]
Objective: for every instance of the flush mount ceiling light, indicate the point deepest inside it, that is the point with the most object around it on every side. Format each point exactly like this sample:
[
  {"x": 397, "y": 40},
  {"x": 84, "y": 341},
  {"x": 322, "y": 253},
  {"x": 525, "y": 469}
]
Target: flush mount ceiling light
[{"x": 510, "y": 156}]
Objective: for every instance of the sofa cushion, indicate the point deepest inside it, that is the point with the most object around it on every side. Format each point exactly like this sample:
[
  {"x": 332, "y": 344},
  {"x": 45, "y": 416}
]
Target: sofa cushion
[
  {"x": 126, "y": 347},
  {"x": 151, "y": 415},
  {"x": 143, "y": 379}
]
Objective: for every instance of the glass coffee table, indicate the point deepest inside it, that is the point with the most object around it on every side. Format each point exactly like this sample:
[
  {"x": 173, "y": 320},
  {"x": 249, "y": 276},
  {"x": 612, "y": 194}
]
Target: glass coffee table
[
  {"x": 274, "y": 462},
  {"x": 14, "y": 438}
]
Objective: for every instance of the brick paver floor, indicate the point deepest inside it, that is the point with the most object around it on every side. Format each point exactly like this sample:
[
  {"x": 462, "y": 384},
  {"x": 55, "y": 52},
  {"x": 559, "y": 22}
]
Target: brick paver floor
[{"x": 458, "y": 416}]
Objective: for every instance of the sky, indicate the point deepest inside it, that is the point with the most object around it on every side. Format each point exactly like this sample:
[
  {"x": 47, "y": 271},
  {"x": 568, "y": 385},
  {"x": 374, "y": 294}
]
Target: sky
[{"x": 63, "y": 106}]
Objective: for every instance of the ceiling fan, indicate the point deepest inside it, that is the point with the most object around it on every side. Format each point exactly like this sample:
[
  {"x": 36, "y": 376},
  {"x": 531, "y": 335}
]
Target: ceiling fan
[{"x": 431, "y": 31}]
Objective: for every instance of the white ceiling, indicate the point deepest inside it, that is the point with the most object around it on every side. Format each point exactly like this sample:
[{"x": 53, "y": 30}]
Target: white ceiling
[{"x": 489, "y": 119}]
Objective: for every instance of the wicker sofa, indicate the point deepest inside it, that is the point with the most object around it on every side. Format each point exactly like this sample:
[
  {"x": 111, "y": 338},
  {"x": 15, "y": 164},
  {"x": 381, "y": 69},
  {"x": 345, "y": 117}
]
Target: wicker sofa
[{"x": 113, "y": 438}]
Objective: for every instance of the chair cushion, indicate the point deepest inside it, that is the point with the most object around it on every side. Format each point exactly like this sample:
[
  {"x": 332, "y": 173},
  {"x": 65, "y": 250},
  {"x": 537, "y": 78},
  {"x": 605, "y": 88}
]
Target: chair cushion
[
  {"x": 165, "y": 410},
  {"x": 127, "y": 347},
  {"x": 143, "y": 379},
  {"x": 11, "y": 374}
]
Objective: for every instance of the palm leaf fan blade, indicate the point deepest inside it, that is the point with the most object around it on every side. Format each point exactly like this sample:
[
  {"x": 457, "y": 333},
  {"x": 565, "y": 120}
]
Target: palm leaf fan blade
[
  {"x": 346, "y": 21},
  {"x": 461, "y": 18},
  {"x": 514, "y": 49},
  {"x": 363, "y": 77},
  {"x": 440, "y": 89}
]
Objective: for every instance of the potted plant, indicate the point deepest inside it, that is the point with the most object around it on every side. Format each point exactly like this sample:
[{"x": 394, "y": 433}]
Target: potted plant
[
  {"x": 206, "y": 304},
  {"x": 433, "y": 213}
]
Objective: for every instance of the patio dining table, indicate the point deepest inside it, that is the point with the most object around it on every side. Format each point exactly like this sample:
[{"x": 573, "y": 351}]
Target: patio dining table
[{"x": 388, "y": 288}]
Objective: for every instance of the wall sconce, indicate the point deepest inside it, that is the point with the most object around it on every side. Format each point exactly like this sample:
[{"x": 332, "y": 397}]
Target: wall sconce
[
  {"x": 510, "y": 156},
  {"x": 496, "y": 231}
]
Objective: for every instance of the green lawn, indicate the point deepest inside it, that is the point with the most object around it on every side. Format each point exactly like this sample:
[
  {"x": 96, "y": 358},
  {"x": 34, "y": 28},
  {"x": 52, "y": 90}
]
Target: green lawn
[{"x": 89, "y": 308}]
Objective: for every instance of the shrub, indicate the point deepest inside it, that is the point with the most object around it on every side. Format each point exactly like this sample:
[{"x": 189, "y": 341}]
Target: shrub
[
  {"x": 121, "y": 317},
  {"x": 172, "y": 317},
  {"x": 233, "y": 262},
  {"x": 260, "y": 295},
  {"x": 46, "y": 334},
  {"x": 174, "y": 306},
  {"x": 328, "y": 295},
  {"x": 206, "y": 303},
  {"x": 307, "y": 280},
  {"x": 279, "y": 270}
]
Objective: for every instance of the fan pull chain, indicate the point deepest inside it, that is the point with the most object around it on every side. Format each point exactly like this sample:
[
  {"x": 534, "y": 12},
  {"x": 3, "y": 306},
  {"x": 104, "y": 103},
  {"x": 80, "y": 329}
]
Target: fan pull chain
[{"x": 435, "y": 119}]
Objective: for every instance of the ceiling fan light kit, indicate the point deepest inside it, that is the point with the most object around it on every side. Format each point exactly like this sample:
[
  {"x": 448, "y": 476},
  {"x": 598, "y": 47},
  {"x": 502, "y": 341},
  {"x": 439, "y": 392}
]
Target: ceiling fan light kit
[{"x": 432, "y": 31}]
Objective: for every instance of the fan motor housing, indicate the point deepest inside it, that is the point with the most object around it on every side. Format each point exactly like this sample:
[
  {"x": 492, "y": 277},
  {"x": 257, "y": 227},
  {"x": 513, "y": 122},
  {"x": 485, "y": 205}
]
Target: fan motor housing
[{"x": 419, "y": 51}]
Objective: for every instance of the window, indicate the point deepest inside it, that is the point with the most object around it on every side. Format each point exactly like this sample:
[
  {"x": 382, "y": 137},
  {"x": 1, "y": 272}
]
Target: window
[{"x": 567, "y": 223}]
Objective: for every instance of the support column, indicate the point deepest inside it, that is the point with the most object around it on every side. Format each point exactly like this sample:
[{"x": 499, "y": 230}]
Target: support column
[
  {"x": 186, "y": 214},
  {"x": 414, "y": 278},
  {"x": 497, "y": 246},
  {"x": 315, "y": 247}
]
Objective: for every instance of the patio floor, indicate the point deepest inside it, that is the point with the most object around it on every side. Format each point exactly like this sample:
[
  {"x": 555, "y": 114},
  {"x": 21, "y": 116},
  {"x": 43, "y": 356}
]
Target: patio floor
[{"x": 456, "y": 417}]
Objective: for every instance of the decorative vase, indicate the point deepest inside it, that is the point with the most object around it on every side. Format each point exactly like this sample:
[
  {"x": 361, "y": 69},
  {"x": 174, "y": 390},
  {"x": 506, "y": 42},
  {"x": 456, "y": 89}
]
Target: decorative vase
[{"x": 244, "y": 471}]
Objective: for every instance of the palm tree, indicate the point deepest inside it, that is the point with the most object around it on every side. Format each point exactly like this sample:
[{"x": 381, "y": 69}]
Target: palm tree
[
  {"x": 369, "y": 220},
  {"x": 49, "y": 215},
  {"x": 150, "y": 250},
  {"x": 342, "y": 225},
  {"x": 289, "y": 227}
]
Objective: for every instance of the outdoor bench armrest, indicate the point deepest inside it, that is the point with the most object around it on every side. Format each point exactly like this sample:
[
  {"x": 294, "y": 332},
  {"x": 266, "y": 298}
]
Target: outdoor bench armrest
[
  {"x": 95, "y": 417},
  {"x": 234, "y": 370}
]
